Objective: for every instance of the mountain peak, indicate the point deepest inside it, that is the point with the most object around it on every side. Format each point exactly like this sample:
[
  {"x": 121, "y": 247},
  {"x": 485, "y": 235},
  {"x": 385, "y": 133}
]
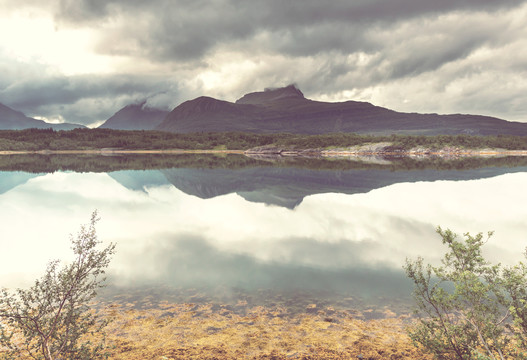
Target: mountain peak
[
  {"x": 206, "y": 104},
  {"x": 137, "y": 116},
  {"x": 271, "y": 94}
]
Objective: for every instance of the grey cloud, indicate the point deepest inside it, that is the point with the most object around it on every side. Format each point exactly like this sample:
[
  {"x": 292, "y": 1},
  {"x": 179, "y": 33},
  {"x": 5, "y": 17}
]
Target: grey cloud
[
  {"x": 178, "y": 30},
  {"x": 187, "y": 260},
  {"x": 185, "y": 32},
  {"x": 275, "y": 13},
  {"x": 397, "y": 36},
  {"x": 320, "y": 38},
  {"x": 12, "y": 70},
  {"x": 82, "y": 11},
  {"x": 418, "y": 50},
  {"x": 82, "y": 99},
  {"x": 494, "y": 96}
]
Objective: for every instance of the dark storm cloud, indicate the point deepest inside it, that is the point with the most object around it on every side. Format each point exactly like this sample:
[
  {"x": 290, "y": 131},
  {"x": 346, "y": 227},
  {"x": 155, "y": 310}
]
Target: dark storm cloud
[
  {"x": 182, "y": 30},
  {"x": 272, "y": 13}
]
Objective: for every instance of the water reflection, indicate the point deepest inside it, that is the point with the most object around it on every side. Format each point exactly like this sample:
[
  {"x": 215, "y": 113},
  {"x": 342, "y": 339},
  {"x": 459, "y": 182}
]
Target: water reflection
[
  {"x": 343, "y": 232},
  {"x": 190, "y": 261},
  {"x": 288, "y": 186},
  {"x": 9, "y": 180}
]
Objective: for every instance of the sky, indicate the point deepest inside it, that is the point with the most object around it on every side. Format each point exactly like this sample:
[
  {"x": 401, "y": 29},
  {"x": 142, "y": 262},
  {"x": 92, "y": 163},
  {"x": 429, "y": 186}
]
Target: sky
[{"x": 80, "y": 61}]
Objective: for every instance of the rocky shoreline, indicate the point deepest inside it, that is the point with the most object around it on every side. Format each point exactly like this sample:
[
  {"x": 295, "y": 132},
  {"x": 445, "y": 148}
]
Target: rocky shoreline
[
  {"x": 379, "y": 150},
  {"x": 375, "y": 149}
]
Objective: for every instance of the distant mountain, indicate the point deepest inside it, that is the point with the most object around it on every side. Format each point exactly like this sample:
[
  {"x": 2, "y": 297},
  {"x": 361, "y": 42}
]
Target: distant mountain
[
  {"x": 287, "y": 110},
  {"x": 15, "y": 120},
  {"x": 135, "y": 117}
]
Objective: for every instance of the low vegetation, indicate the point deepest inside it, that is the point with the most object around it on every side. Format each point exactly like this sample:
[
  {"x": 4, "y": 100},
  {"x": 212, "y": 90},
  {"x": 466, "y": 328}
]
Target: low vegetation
[
  {"x": 469, "y": 308},
  {"x": 94, "y": 139},
  {"x": 52, "y": 319}
]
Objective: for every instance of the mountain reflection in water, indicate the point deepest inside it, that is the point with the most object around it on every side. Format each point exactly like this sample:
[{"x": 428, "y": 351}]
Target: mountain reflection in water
[{"x": 339, "y": 233}]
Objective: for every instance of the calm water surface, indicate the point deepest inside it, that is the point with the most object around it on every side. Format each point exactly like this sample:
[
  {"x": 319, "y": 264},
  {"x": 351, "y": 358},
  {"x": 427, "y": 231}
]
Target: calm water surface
[{"x": 260, "y": 232}]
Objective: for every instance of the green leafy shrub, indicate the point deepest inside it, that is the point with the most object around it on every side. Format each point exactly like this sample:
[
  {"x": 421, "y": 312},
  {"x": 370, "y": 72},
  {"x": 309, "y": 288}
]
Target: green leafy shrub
[
  {"x": 51, "y": 319},
  {"x": 468, "y": 308}
]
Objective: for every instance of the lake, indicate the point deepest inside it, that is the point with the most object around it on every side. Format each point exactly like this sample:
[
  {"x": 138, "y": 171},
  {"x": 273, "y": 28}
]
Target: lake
[{"x": 265, "y": 231}]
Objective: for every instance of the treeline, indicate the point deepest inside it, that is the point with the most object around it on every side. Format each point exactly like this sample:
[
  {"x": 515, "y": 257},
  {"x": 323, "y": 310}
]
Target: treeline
[
  {"x": 93, "y": 139},
  {"x": 406, "y": 142}
]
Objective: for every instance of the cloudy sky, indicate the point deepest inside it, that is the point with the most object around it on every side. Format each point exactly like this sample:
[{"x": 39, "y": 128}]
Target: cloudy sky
[{"x": 82, "y": 60}]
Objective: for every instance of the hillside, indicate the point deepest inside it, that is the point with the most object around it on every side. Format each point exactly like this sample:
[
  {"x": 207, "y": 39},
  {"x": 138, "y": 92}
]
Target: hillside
[
  {"x": 135, "y": 117},
  {"x": 14, "y": 120},
  {"x": 287, "y": 110}
]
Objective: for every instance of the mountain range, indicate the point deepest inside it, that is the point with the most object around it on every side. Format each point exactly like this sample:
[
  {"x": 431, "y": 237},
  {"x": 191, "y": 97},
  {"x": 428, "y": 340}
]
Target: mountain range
[
  {"x": 284, "y": 110},
  {"x": 287, "y": 110},
  {"x": 14, "y": 120}
]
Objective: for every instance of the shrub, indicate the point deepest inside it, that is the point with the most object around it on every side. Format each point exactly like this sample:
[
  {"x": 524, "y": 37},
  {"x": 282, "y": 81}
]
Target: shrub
[
  {"x": 50, "y": 319},
  {"x": 467, "y": 307}
]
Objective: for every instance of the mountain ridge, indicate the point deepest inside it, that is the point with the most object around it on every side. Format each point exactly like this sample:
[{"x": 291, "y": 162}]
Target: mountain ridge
[
  {"x": 281, "y": 110},
  {"x": 287, "y": 110}
]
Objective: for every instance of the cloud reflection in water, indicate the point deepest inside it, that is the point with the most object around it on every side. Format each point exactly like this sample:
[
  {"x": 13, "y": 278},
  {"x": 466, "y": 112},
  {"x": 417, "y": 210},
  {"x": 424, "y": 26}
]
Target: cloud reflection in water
[{"x": 328, "y": 242}]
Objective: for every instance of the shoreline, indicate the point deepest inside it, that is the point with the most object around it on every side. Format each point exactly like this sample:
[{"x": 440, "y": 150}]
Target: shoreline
[
  {"x": 383, "y": 149},
  {"x": 330, "y": 153},
  {"x": 286, "y": 152},
  {"x": 111, "y": 151}
]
